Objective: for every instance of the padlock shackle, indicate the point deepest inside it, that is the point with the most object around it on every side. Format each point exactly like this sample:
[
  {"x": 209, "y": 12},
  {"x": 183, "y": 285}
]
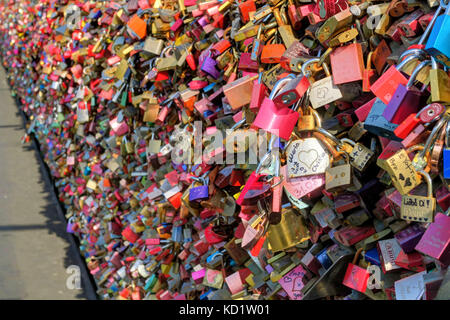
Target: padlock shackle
[
  {"x": 407, "y": 60},
  {"x": 279, "y": 84},
  {"x": 434, "y": 64},
  {"x": 447, "y": 134},
  {"x": 416, "y": 71},
  {"x": 428, "y": 181},
  {"x": 267, "y": 155},
  {"x": 349, "y": 141},
  {"x": 427, "y": 31},
  {"x": 433, "y": 135},
  {"x": 369, "y": 60},
  {"x": 327, "y": 134},
  {"x": 417, "y": 52},
  {"x": 311, "y": 61}
]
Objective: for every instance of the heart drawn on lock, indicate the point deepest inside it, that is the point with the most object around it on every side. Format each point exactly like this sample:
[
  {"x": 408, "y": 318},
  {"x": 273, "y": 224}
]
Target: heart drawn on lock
[{"x": 308, "y": 158}]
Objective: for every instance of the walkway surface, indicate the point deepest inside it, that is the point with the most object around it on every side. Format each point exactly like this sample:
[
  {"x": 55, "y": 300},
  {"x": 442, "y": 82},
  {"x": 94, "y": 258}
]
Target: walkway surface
[{"x": 34, "y": 247}]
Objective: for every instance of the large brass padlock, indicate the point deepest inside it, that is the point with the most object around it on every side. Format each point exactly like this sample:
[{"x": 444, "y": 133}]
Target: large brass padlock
[
  {"x": 289, "y": 232},
  {"x": 419, "y": 208}
]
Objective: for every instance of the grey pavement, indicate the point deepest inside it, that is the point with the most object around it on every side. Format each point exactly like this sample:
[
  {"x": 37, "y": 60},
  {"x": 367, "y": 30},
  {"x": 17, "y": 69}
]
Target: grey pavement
[{"x": 34, "y": 246}]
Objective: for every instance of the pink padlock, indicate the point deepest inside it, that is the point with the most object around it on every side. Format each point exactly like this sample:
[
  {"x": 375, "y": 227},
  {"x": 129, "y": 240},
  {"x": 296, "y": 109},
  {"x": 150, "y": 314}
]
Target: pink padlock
[
  {"x": 280, "y": 122},
  {"x": 119, "y": 128}
]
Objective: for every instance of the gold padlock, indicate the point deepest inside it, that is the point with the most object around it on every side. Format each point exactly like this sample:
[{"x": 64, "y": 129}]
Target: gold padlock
[
  {"x": 289, "y": 232},
  {"x": 419, "y": 208},
  {"x": 339, "y": 176},
  {"x": 400, "y": 168},
  {"x": 360, "y": 155}
]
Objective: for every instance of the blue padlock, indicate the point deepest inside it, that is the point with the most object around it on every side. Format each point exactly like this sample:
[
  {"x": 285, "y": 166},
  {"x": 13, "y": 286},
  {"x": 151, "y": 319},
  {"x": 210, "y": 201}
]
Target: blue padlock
[
  {"x": 375, "y": 122},
  {"x": 372, "y": 256},
  {"x": 438, "y": 44},
  {"x": 446, "y": 154},
  {"x": 324, "y": 259}
]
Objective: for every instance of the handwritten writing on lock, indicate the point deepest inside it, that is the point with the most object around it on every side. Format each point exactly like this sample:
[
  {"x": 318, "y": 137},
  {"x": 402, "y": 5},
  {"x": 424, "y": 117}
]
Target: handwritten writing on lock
[{"x": 294, "y": 281}]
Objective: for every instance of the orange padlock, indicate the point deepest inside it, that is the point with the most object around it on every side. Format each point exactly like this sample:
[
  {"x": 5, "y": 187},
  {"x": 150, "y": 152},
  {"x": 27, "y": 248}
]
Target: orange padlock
[
  {"x": 138, "y": 25},
  {"x": 272, "y": 53}
]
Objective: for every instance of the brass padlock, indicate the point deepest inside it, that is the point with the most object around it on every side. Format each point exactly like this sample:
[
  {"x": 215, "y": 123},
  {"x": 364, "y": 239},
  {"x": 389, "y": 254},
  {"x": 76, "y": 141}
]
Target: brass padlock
[
  {"x": 400, "y": 168},
  {"x": 153, "y": 45},
  {"x": 339, "y": 176},
  {"x": 419, "y": 208},
  {"x": 439, "y": 83},
  {"x": 360, "y": 155},
  {"x": 306, "y": 121},
  {"x": 289, "y": 232}
]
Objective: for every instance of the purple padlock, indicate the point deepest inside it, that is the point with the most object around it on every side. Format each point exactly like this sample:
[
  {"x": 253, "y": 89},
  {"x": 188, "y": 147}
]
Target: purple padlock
[
  {"x": 70, "y": 226},
  {"x": 199, "y": 193},
  {"x": 209, "y": 66},
  {"x": 406, "y": 99},
  {"x": 409, "y": 237},
  {"x": 404, "y": 102}
]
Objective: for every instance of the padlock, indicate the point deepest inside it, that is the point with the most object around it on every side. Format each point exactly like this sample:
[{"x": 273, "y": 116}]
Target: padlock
[
  {"x": 360, "y": 156},
  {"x": 292, "y": 92},
  {"x": 436, "y": 152},
  {"x": 355, "y": 276},
  {"x": 428, "y": 114},
  {"x": 405, "y": 99},
  {"x": 338, "y": 177},
  {"x": 257, "y": 45},
  {"x": 322, "y": 91},
  {"x": 272, "y": 53},
  {"x": 404, "y": 176},
  {"x": 209, "y": 66},
  {"x": 377, "y": 124},
  {"x": 284, "y": 30},
  {"x": 294, "y": 16},
  {"x": 199, "y": 192},
  {"x": 278, "y": 121},
  {"x": 153, "y": 46},
  {"x": 437, "y": 44},
  {"x": 386, "y": 85},
  {"x": 307, "y": 120},
  {"x": 436, "y": 239},
  {"x": 258, "y": 93},
  {"x": 290, "y": 231},
  {"x": 347, "y": 63},
  {"x": 439, "y": 83},
  {"x": 421, "y": 160},
  {"x": 419, "y": 208},
  {"x": 306, "y": 157},
  {"x": 446, "y": 154},
  {"x": 369, "y": 74},
  {"x": 409, "y": 237},
  {"x": 334, "y": 23},
  {"x": 239, "y": 92}
]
